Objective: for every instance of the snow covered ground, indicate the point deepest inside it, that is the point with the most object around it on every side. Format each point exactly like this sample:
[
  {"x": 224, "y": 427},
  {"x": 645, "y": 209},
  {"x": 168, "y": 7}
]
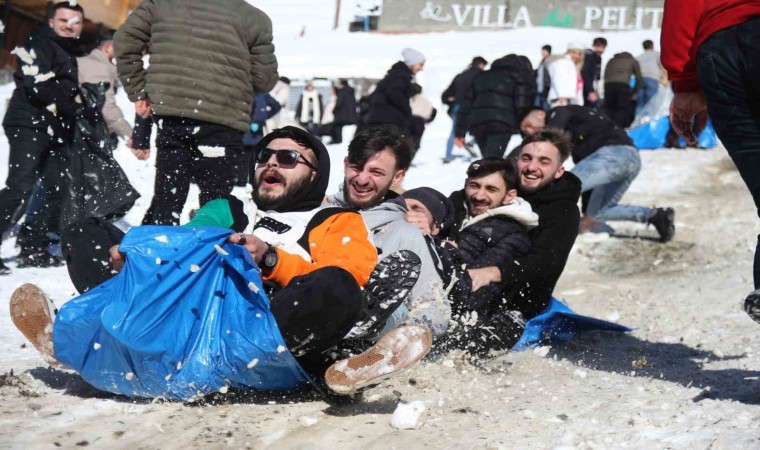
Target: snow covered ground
[{"x": 687, "y": 377}]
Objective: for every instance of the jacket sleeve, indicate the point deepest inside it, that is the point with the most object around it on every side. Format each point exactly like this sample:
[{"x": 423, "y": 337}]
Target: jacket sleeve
[
  {"x": 587, "y": 73},
  {"x": 263, "y": 61},
  {"x": 465, "y": 106},
  {"x": 274, "y": 106},
  {"x": 679, "y": 26},
  {"x": 340, "y": 241},
  {"x": 56, "y": 90},
  {"x": 637, "y": 74},
  {"x": 449, "y": 92},
  {"x": 525, "y": 92},
  {"x": 550, "y": 251},
  {"x": 128, "y": 43},
  {"x": 559, "y": 117},
  {"x": 398, "y": 95},
  {"x": 222, "y": 213},
  {"x": 111, "y": 112},
  {"x": 514, "y": 244}
]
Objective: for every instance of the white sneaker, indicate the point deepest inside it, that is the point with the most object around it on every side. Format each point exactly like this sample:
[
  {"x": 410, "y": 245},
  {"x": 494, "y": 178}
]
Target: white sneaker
[{"x": 399, "y": 349}]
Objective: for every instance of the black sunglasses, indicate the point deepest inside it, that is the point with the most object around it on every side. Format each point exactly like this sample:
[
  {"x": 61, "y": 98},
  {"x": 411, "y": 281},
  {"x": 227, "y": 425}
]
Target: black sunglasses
[{"x": 287, "y": 159}]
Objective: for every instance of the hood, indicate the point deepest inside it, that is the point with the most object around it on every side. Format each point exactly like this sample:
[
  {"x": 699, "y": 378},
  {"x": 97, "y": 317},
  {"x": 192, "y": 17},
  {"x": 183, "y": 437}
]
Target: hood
[
  {"x": 400, "y": 68},
  {"x": 510, "y": 61},
  {"x": 384, "y": 213},
  {"x": 311, "y": 198},
  {"x": 568, "y": 187},
  {"x": 518, "y": 209}
]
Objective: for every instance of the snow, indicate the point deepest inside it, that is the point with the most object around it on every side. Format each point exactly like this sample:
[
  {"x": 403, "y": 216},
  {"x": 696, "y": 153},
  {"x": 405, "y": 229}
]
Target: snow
[
  {"x": 687, "y": 377},
  {"x": 408, "y": 416}
]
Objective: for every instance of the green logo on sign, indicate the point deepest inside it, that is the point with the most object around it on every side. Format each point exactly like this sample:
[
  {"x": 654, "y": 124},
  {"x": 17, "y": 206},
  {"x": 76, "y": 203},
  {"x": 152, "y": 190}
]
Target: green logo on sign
[{"x": 552, "y": 20}]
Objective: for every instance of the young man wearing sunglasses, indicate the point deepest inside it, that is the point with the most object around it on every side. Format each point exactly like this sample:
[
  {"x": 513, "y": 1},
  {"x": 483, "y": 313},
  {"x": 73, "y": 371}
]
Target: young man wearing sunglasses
[{"x": 314, "y": 261}]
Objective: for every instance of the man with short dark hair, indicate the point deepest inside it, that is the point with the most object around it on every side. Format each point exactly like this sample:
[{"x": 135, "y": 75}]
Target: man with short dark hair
[
  {"x": 377, "y": 160},
  {"x": 651, "y": 74},
  {"x": 39, "y": 125},
  {"x": 607, "y": 162},
  {"x": 455, "y": 94},
  {"x": 591, "y": 72}
]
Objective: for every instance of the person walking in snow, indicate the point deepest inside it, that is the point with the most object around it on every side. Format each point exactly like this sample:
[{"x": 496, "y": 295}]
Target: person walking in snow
[
  {"x": 390, "y": 101},
  {"x": 567, "y": 85},
  {"x": 310, "y": 109},
  {"x": 619, "y": 97},
  {"x": 207, "y": 59},
  {"x": 39, "y": 125}
]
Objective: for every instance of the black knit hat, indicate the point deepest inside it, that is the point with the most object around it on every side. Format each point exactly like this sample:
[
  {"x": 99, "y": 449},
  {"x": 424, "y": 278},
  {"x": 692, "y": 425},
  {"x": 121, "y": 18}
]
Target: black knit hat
[{"x": 439, "y": 205}]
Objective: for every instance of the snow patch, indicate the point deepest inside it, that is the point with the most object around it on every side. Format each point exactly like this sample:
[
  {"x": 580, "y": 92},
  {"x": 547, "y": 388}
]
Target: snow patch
[{"x": 408, "y": 416}]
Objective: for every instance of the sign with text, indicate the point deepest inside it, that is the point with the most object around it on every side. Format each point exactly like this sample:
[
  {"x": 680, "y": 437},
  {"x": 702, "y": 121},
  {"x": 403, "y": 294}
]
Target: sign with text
[{"x": 601, "y": 15}]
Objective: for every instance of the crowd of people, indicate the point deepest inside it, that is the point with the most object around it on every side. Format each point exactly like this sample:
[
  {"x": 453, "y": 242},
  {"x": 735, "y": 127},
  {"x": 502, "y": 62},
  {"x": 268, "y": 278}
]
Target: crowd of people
[{"x": 362, "y": 282}]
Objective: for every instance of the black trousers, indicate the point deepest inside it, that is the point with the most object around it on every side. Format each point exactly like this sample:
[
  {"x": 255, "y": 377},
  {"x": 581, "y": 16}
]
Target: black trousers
[
  {"x": 491, "y": 144},
  {"x": 34, "y": 155},
  {"x": 618, "y": 103},
  {"x": 313, "y": 312},
  {"x": 191, "y": 151},
  {"x": 728, "y": 64}
]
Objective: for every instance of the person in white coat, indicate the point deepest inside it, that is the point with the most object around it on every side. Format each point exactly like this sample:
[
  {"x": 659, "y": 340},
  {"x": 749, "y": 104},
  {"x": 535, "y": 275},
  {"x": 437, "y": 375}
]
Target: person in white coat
[{"x": 566, "y": 81}]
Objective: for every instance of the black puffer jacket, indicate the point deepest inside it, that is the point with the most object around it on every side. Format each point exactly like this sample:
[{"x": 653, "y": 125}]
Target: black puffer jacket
[
  {"x": 345, "y": 106},
  {"x": 460, "y": 86},
  {"x": 51, "y": 54},
  {"x": 530, "y": 282},
  {"x": 590, "y": 130},
  {"x": 390, "y": 101},
  {"x": 496, "y": 97}
]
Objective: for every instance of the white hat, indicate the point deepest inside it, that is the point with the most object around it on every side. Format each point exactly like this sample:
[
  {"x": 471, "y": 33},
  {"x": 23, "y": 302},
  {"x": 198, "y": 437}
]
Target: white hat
[
  {"x": 575, "y": 46},
  {"x": 412, "y": 56}
]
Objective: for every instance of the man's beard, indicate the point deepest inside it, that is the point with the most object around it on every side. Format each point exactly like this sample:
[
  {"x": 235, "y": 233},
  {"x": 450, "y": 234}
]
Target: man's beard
[
  {"x": 291, "y": 193},
  {"x": 365, "y": 203}
]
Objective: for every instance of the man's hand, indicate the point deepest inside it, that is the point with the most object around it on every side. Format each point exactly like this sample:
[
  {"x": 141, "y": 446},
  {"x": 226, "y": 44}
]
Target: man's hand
[
  {"x": 255, "y": 246},
  {"x": 419, "y": 220},
  {"x": 142, "y": 108},
  {"x": 484, "y": 276},
  {"x": 593, "y": 97},
  {"x": 688, "y": 115},
  {"x": 117, "y": 258},
  {"x": 140, "y": 153},
  {"x": 459, "y": 142}
]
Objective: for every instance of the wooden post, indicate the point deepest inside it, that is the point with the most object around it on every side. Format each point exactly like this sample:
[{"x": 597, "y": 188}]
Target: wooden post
[{"x": 337, "y": 14}]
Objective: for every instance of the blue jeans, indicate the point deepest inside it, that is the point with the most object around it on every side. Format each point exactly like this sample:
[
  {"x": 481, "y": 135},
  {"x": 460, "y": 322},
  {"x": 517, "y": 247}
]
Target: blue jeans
[
  {"x": 450, "y": 142},
  {"x": 609, "y": 172},
  {"x": 647, "y": 91},
  {"x": 728, "y": 64}
]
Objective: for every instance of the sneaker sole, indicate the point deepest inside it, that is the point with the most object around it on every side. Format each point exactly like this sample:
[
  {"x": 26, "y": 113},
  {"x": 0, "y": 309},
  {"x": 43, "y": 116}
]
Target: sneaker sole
[
  {"x": 389, "y": 285},
  {"x": 396, "y": 351},
  {"x": 30, "y": 312},
  {"x": 752, "y": 306}
]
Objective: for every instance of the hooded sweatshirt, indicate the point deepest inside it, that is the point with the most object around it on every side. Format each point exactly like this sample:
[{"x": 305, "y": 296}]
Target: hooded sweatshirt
[{"x": 307, "y": 235}]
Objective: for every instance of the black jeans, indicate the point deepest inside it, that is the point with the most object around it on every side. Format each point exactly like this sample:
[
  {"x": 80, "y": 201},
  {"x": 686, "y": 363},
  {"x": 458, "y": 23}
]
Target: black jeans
[
  {"x": 619, "y": 104},
  {"x": 188, "y": 151},
  {"x": 728, "y": 64},
  {"x": 491, "y": 144},
  {"x": 34, "y": 154},
  {"x": 314, "y": 312}
]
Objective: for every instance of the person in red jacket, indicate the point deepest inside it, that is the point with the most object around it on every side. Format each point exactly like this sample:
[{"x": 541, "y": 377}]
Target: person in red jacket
[{"x": 711, "y": 50}]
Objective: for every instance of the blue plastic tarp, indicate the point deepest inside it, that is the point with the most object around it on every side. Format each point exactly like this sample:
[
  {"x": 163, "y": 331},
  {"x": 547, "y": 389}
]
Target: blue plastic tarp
[
  {"x": 186, "y": 316},
  {"x": 559, "y": 323},
  {"x": 651, "y": 135}
]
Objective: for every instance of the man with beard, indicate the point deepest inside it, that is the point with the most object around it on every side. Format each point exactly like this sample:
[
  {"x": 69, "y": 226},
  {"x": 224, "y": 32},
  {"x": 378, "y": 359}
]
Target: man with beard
[
  {"x": 313, "y": 259},
  {"x": 39, "y": 126},
  {"x": 377, "y": 160},
  {"x": 553, "y": 195}
]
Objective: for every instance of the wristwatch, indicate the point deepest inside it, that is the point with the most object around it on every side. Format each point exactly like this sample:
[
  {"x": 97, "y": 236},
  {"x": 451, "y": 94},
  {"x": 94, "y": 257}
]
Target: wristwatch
[{"x": 270, "y": 258}]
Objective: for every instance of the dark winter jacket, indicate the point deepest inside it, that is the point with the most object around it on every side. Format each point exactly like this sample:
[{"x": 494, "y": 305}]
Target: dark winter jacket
[
  {"x": 390, "y": 101},
  {"x": 620, "y": 68},
  {"x": 345, "y": 106},
  {"x": 496, "y": 97},
  {"x": 264, "y": 108},
  {"x": 46, "y": 84},
  {"x": 590, "y": 130},
  {"x": 460, "y": 86},
  {"x": 591, "y": 72},
  {"x": 207, "y": 58},
  {"x": 546, "y": 82},
  {"x": 531, "y": 280}
]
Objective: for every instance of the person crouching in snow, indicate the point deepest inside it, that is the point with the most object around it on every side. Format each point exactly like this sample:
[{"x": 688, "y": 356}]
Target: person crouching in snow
[{"x": 322, "y": 254}]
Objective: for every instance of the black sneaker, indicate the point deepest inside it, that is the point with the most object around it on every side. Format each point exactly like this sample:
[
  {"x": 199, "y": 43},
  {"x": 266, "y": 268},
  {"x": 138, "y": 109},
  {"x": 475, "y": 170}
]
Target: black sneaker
[
  {"x": 663, "y": 220},
  {"x": 752, "y": 305},
  {"x": 387, "y": 288},
  {"x": 4, "y": 270},
  {"x": 39, "y": 258}
]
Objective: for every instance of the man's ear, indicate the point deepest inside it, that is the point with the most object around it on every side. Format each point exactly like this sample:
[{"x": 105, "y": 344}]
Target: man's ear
[
  {"x": 559, "y": 172},
  {"x": 436, "y": 229},
  {"x": 511, "y": 194},
  {"x": 398, "y": 177}
]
